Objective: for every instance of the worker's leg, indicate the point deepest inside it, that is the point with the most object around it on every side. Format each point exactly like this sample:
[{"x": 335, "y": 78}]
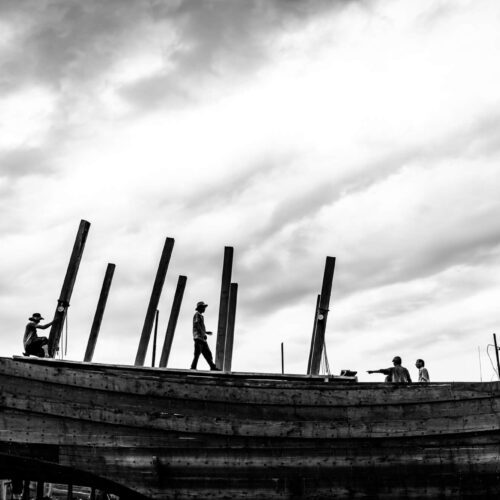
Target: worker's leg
[
  {"x": 197, "y": 352},
  {"x": 207, "y": 354}
]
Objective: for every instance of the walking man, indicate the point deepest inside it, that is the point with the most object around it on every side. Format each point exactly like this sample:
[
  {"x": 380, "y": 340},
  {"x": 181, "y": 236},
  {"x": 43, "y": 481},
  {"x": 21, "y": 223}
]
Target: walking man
[
  {"x": 33, "y": 344},
  {"x": 396, "y": 373},
  {"x": 200, "y": 338},
  {"x": 423, "y": 374}
]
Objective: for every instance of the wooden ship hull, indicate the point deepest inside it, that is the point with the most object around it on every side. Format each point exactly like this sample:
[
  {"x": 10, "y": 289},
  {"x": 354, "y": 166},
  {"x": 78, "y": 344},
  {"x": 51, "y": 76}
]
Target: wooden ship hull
[{"x": 187, "y": 435}]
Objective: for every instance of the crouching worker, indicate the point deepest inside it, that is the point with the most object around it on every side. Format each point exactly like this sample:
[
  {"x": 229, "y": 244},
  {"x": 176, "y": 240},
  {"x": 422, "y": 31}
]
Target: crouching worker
[{"x": 33, "y": 344}]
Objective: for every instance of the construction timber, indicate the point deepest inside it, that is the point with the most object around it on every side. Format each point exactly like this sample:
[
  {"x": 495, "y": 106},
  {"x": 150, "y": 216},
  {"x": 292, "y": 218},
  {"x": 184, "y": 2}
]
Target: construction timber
[{"x": 189, "y": 435}]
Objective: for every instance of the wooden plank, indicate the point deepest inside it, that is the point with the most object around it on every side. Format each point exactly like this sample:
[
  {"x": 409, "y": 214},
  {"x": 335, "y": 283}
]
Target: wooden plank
[
  {"x": 319, "y": 338},
  {"x": 155, "y": 337},
  {"x": 313, "y": 335},
  {"x": 228, "y": 352},
  {"x": 223, "y": 307},
  {"x": 101, "y": 306},
  {"x": 67, "y": 287},
  {"x": 153, "y": 302},
  {"x": 172, "y": 321}
]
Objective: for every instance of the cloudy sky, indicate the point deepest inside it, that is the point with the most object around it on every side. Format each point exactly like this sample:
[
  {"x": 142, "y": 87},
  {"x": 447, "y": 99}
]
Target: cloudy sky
[{"x": 365, "y": 130}]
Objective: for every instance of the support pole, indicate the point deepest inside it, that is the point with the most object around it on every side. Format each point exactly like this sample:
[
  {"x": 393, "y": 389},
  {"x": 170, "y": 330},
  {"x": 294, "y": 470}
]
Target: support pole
[
  {"x": 99, "y": 313},
  {"x": 155, "y": 337},
  {"x": 282, "y": 359},
  {"x": 69, "y": 493},
  {"x": 324, "y": 304},
  {"x": 313, "y": 336},
  {"x": 231, "y": 319},
  {"x": 172, "y": 321},
  {"x": 496, "y": 353},
  {"x": 223, "y": 307},
  {"x": 67, "y": 288},
  {"x": 153, "y": 301},
  {"x": 39, "y": 490},
  {"x": 26, "y": 490}
]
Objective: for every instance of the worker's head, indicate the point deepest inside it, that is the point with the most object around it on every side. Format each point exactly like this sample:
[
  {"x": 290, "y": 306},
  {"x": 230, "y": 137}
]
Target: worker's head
[
  {"x": 420, "y": 363},
  {"x": 201, "y": 306},
  {"x": 36, "y": 317},
  {"x": 396, "y": 360}
]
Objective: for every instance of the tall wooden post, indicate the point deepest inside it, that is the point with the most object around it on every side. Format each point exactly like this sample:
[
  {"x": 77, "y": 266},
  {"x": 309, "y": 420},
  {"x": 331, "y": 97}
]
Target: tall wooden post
[
  {"x": 67, "y": 288},
  {"x": 26, "y": 490},
  {"x": 231, "y": 319},
  {"x": 153, "y": 302},
  {"x": 39, "y": 490},
  {"x": 313, "y": 336},
  {"x": 282, "y": 359},
  {"x": 319, "y": 339},
  {"x": 172, "y": 321},
  {"x": 155, "y": 337},
  {"x": 223, "y": 306},
  {"x": 99, "y": 313}
]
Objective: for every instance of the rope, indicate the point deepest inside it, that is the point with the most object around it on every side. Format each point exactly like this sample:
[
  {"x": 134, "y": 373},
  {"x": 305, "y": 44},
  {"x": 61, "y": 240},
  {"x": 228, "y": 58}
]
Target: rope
[{"x": 325, "y": 363}]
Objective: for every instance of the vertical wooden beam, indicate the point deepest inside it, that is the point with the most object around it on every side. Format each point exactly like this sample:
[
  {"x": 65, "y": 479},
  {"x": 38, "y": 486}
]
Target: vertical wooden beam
[
  {"x": 313, "y": 335},
  {"x": 69, "y": 492},
  {"x": 155, "y": 337},
  {"x": 324, "y": 304},
  {"x": 172, "y": 321},
  {"x": 153, "y": 302},
  {"x": 231, "y": 319},
  {"x": 99, "y": 313},
  {"x": 39, "y": 490},
  {"x": 496, "y": 353},
  {"x": 26, "y": 490},
  {"x": 67, "y": 288},
  {"x": 223, "y": 306},
  {"x": 92, "y": 493}
]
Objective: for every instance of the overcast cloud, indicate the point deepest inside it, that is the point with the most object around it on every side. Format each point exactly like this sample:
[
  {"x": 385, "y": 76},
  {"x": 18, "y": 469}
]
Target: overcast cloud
[{"x": 364, "y": 130}]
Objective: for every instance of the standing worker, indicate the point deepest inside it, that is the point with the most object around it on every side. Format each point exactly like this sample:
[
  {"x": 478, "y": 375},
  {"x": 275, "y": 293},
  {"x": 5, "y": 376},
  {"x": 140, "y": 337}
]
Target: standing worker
[
  {"x": 396, "y": 373},
  {"x": 200, "y": 338},
  {"x": 33, "y": 344},
  {"x": 423, "y": 374}
]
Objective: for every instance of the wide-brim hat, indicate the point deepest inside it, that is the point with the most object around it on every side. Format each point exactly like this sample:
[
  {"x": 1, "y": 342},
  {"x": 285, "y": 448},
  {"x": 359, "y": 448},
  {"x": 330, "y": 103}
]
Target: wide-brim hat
[
  {"x": 36, "y": 316},
  {"x": 201, "y": 304}
]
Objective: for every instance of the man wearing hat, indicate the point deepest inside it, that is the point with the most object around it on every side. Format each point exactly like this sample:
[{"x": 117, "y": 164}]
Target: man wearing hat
[
  {"x": 397, "y": 373},
  {"x": 200, "y": 338},
  {"x": 33, "y": 344}
]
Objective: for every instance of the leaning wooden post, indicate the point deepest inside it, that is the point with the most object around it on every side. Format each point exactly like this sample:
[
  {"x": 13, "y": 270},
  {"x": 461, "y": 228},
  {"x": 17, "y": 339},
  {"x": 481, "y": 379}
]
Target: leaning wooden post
[
  {"x": 67, "y": 288},
  {"x": 172, "y": 321},
  {"x": 99, "y": 313},
  {"x": 223, "y": 306},
  {"x": 155, "y": 337},
  {"x": 324, "y": 304},
  {"x": 153, "y": 302},
  {"x": 313, "y": 336},
  {"x": 231, "y": 319}
]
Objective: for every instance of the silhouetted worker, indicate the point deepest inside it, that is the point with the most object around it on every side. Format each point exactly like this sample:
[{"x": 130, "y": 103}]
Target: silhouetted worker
[
  {"x": 423, "y": 374},
  {"x": 33, "y": 344},
  {"x": 397, "y": 373},
  {"x": 200, "y": 338}
]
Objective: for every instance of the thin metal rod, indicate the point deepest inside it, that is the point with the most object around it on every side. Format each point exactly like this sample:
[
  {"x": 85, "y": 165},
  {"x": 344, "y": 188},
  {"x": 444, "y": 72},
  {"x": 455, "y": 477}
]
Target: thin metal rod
[
  {"x": 67, "y": 288},
  {"x": 155, "y": 336},
  {"x": 172, "y": 321},
  {"x": 153, "y": 301},
  {"x": 231, "y": 319},
  {"x": 99, "y": 313},
  {"x": 223, "y": 307},
  {"x": 282, "y": 359}
]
